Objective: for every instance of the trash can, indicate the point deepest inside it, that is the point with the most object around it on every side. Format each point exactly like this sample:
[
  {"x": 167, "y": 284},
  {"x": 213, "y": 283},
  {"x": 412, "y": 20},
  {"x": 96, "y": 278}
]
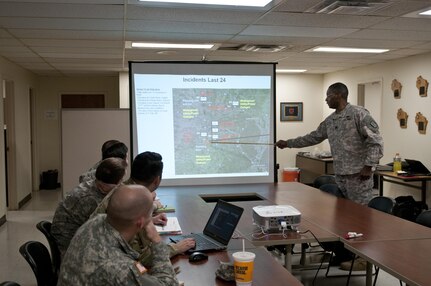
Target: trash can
[
  {"x": 49, "y": 180},
  {"x": 291, "y": 174}
]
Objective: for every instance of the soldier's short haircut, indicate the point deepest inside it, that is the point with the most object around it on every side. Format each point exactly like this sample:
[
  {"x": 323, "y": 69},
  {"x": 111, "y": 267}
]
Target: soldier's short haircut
[
  {"x": 127, "y": 203},
  {"x": 116, "y": 150},
  {"x": 111, "y": 170},
  {"x": 339, "y": 88},
  {"x": 147, "y": 166},
  {"x": 108, "y": 144}
]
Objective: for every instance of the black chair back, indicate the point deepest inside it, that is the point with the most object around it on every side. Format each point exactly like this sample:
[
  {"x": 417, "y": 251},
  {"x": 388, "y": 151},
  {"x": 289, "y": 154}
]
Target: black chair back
[
  {"x": 9, "y": 283},
  {"x": 382, "y": 203},
  {"x": 424, "y": 218},
  {"x": 45, "y": 227},
  {"x": 331, "y": 189},
  {"x": 323, "y": 180},
  {"x": 38, "y": 257}
]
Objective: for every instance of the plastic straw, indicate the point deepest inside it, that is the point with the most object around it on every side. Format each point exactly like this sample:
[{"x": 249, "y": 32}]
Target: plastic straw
[{"x": 243, "y": 245}]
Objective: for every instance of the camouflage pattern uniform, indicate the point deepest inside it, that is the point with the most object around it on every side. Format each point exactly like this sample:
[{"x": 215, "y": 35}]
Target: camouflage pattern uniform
[
  {"x": 74, "y": 211},
  {"x": 90, "y": 174},
  {"x": 355, "y": 142},
  {"x": 98, "y": 255},
  {"x": 140, "y": 242}
]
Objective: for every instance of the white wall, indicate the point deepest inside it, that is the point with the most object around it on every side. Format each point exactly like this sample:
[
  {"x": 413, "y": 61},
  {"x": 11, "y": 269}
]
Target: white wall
[
  {"x": 307, "y": 89},
  {"x": 48, "y": 100},
  {"x": 22, "y": 82},
  {"x": 408, "y": 142}
]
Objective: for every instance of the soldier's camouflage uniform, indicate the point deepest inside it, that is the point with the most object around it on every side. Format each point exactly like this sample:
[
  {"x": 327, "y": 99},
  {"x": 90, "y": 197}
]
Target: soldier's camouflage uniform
[
  {"x": 90, "y": 174},
  {"x": 98, "y": 255},
  {"x": 74, "y": 211},
  {"x": 355, "y": 142},
  {"x": 140, "y": 243}
]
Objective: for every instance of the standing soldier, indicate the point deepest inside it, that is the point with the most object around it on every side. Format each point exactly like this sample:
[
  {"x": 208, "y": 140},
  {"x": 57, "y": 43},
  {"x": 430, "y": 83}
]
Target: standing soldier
[{"x": 355, "y": 141}]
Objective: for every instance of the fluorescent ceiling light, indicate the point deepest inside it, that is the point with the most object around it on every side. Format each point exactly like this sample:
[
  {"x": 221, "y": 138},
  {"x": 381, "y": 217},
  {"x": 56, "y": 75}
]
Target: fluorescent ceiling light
[
  {"x": 249, "y": 3},
  {"x": 171, "y": 46},
  {"x": 289, "y": 70},
  {"x": 425, "y": 13},
  {"x": 347, "y": 50}
]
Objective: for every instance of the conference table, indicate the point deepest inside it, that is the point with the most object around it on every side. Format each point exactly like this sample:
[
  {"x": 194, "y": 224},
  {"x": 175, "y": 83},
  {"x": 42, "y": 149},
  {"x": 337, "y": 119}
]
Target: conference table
[
  {"x": 409, "y": 260},
  {"x": 192, "y": 213},
  {"x": 329, "y": 218}
]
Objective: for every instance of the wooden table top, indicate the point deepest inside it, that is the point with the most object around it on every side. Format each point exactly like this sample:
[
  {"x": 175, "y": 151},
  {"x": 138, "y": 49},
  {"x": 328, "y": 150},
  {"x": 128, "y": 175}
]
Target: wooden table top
[
  {"x": 193, "y": 213},
  {"x": 339, "y": 216},
  {"x": 267, "y": 271},
  {"x": 408, "y": 260},
  {"x": 327, "y": 216}
]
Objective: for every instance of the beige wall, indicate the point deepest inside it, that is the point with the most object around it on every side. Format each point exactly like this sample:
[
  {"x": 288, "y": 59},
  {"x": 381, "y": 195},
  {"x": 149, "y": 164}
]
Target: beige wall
[
  {"x": 22, "y": 82},
  {"x": 298, "y": 88},
  {"x": 48, "y": 102}
]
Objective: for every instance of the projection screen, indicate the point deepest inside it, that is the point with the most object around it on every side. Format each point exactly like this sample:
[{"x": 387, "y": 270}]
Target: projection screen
[{"x": 212, "y": 122}]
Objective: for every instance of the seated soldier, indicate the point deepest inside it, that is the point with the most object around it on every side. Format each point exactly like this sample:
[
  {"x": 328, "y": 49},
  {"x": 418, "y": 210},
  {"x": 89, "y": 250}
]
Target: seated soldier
[
  {"x": 146, "y": 171},
  {"x": 99, "y": 253},
  {"x": 81, "y": 202}
]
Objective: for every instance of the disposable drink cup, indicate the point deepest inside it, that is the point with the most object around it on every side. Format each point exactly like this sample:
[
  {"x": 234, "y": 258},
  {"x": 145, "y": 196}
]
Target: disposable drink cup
[{"x": 243, "y": 262}]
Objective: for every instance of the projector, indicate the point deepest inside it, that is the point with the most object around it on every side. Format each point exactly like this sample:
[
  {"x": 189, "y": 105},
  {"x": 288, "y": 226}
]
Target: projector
[{"x": 276, "y": 217}]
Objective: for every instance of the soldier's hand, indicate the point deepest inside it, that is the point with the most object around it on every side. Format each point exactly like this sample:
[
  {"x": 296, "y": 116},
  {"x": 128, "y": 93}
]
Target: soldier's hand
[
  {"x": 185, "y": 244},
  {"x": 160, "y": 219},
  {"x": 366, "y": 172},
  {"x": 281, "y": 144},
  {"x": 152, "y": 233}
]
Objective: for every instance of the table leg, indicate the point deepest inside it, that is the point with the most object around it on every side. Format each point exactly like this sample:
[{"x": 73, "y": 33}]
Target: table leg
[
  {"x": 288, "y": 257},
  {"x": 369, "y": 274},
  {"x": 424, "y": 192},
  {"x": 380, "y": 179}
]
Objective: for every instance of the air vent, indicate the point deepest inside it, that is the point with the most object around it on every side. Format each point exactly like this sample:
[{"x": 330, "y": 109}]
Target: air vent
[
  {"x": 262, "y": 48},
  {"x": 349, "y": 7}
]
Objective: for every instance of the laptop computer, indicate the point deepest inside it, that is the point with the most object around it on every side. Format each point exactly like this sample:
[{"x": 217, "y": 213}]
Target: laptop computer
[
  {"x": 218, "y": 229},
  {"x": 416, "y": 167}
]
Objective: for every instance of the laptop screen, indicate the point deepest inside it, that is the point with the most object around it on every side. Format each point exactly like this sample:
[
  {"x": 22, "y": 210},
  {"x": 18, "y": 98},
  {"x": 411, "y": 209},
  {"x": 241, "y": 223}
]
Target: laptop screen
[
  {"x": 416, "y": 167},
  {"x": 223, "y": 221}
]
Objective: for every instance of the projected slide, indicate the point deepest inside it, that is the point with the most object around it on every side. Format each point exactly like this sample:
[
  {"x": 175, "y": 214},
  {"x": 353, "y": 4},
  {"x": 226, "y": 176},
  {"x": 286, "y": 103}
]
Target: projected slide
[
  {"x": 206, "y": 119},
  {"x": 206, "y": 125}
]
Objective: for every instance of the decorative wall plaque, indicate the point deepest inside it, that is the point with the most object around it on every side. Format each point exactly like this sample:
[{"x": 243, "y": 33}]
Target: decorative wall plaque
[
  {"x": 396, "y": 88},
  {"x": 402, "y": 118},
  {"x": 421, "y": 122},
  {"x": 422, "y": 85}
]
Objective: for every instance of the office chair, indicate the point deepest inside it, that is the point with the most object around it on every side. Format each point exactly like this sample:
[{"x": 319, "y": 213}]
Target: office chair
[
  {"x": 38, "y": 257},
  {"x": 322, "y": 180},
  {"x": 382, "y": 203},
  {"x": 45, "y": 227},
  {"x": 424, "y": 218},
  {"x": 332, "y": 189},
  {"x": 9, "y": 283}
]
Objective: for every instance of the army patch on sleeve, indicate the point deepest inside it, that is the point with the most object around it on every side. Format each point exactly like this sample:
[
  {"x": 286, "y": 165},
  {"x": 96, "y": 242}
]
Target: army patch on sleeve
[
  {"x": 141, "y": 268},
  {"x": 371, "y": 124}
]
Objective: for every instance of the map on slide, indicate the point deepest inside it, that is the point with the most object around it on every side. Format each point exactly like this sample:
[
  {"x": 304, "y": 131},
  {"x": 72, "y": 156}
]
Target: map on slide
[{"x": 207, "y": 118}]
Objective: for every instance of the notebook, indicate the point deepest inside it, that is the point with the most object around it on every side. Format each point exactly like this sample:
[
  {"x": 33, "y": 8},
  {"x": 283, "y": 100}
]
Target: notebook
[
  {"x": 416, "y": 167},
  {"x": 218, "y": 229},
  {"x": 171, "y": 227}
]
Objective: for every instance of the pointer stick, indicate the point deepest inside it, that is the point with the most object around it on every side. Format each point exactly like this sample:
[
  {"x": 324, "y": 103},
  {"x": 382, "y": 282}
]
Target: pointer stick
[{"x": 249, "y": 143}]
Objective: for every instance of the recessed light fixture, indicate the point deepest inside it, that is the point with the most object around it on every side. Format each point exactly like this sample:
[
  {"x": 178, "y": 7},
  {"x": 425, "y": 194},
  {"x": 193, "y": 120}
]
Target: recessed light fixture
[
  {"x": 425, "y": 13},
  {"x": 171, "y": 46},
  {"x": 289, "y": 71},
  {"x": 347, "y": 50},
  {"x": 249, "y": 3}
]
